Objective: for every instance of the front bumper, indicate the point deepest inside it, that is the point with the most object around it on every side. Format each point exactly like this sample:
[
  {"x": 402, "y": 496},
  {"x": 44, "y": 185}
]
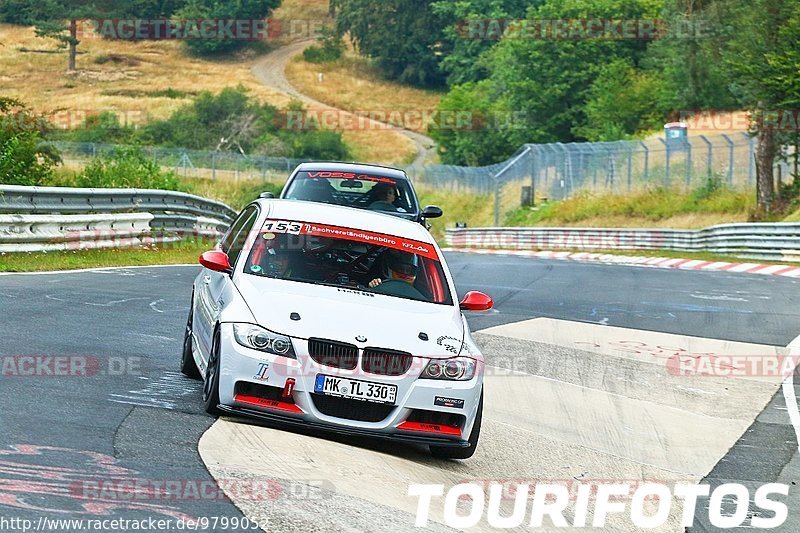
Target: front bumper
[
  {"x": 282, "y": 420},
  {"x": 240, "y": 365}
]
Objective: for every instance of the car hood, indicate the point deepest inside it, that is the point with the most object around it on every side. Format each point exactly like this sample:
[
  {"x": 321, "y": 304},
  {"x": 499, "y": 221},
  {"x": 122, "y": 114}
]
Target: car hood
[{"x": 342, "y": 314}]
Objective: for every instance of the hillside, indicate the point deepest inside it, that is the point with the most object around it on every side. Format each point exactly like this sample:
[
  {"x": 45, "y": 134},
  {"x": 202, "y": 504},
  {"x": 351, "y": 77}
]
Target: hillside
[{"x": 142, "y": 81}]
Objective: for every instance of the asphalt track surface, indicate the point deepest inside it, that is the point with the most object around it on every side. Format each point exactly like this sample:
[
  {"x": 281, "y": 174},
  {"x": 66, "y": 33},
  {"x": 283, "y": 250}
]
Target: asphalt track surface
[{"x": 61, "y": 436}]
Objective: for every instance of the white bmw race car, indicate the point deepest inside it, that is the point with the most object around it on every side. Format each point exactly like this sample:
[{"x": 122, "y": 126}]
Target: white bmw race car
[{"x": 339, "y": 319}]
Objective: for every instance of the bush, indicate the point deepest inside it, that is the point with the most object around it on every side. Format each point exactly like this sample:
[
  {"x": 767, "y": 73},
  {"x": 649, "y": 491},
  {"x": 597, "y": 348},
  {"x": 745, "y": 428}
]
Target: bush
[
  {"x": 232, "y": 121},
  {"x": 319, "y": 145},
  {"x": 23, "y": 158},
  {"x": 241, "y": 9},
  {"x": 330, "y": 48},
  {"x": 128, "y": 168},
  {"x": 100, "y": 128}
]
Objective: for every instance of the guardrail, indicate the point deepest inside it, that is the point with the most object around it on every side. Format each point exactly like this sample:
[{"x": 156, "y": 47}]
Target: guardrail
[
  {"x": 778, "y": 241},
  {"x": 64, "y": 218}
]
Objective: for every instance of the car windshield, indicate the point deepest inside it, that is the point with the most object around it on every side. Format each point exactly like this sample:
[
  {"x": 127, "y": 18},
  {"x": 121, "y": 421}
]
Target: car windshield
[
  {"x": 351, "y": 189},
  {"x": 349, "y": 258}
]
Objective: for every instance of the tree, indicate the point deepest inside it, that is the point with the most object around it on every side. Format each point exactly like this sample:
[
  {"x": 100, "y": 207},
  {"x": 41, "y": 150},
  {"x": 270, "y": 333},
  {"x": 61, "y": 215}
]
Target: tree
[
  {"x": 58, "y": 19},
  {"x": 543, "y": 84},
  {"x": 404, "y": 37},
  {"x": 65, "y": 36},
  {"x": 688, "y": 59},
  {"x": 465, "y": 59},
  {"x": 619, "y": 81},
  {"x": 233, "y": 9},
  {"x": 761, "y": 51}
]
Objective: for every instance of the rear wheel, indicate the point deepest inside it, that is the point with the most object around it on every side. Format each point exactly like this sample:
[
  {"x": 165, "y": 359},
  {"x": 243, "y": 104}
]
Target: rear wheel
[
  {"x": 211, "y": 385},
  {"x": 188, "y": 366},
  {"x": 447, "y": 452}
]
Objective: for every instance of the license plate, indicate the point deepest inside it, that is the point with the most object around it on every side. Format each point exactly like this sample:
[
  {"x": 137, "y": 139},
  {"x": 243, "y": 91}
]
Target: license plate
[{"x": 356, "y": 389}]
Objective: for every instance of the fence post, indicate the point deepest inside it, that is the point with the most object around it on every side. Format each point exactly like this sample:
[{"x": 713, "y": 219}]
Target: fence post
[
  {"x": 496, "y": 202},
  {"x": 646, "y": 160},
  {"x": 534, "y": 173},
  {"x": 688, "y": 165},
  {"x": 730, "y": 159},
  {"x": 666, "y": 162},
  {"x": 710, "y": 157},
  {"x": 496, "y": 178},
  {"x": 630, "y": 166},
  {"x": 750, "y": 158}
]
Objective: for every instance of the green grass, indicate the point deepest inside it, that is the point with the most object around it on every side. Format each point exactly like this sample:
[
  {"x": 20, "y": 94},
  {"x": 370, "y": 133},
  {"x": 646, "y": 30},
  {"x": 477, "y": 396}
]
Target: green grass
[
  {"x": 236, "y": 194},
  {"x": 457, "y": 207},
  {"x": 653, "y": 206},
  {"x": 185, "y": 252}
]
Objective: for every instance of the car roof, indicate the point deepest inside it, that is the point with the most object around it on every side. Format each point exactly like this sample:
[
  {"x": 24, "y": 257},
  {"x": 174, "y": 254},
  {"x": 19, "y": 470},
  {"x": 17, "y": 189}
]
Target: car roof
[
  {"x": 361, "y": 168},
  {"x": 335, "y": 215}
]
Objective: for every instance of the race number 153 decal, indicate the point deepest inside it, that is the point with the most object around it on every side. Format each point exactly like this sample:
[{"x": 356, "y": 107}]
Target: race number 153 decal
[{"x": 283, "y": 226}]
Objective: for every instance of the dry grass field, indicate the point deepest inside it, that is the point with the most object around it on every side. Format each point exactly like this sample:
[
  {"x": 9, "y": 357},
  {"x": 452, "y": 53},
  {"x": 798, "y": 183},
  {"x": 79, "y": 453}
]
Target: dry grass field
[
  {"x": 352, "y": 84},
  {"x": 127, "y": 77},
  {"x": 142, "y": 81}
]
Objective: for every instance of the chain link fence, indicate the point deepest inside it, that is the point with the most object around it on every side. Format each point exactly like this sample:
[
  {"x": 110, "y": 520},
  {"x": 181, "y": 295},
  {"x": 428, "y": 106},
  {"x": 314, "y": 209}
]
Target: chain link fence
[
  {"x": 536, "y": 171},
  {"x": 188, "y": 163}
]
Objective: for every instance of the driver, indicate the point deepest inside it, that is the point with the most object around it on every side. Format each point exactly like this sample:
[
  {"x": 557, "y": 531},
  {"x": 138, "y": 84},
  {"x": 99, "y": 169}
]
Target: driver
[
  {"x": 266, "y": 260},
  {"x": 385, "y": 196},
  {"x": 397, "y": 265}
]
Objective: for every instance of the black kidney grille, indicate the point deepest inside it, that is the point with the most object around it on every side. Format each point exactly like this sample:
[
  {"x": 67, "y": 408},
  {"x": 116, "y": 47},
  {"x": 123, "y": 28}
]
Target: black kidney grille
[
  {"x": 333, "y": 354},
  {"x": 386, "y": 362}
]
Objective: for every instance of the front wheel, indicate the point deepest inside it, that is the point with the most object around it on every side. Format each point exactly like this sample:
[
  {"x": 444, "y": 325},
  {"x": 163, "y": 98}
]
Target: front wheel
[
  {"x": 188, "y": 366},
  {"x": 211, "y": 385},
  {"x": 446, "y": 452}
]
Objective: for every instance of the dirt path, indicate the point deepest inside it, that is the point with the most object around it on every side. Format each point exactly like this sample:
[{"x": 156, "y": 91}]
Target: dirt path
[{"x": 270, "y": 70}]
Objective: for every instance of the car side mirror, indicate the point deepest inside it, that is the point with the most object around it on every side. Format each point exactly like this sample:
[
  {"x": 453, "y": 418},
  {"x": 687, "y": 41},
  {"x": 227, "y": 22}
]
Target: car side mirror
[
  {"x": 432, "y": 211},
  {"x": 266, "y": 195},
  {"x": 216, "y": 261},
  {"x": 476, "y": 301}
]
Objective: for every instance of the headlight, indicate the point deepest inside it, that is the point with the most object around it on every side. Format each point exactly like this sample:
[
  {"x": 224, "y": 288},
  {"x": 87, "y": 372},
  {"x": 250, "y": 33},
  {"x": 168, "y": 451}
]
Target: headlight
[
  {"x": 261, "y": 339},
  {"x": 455, "y": 369}
]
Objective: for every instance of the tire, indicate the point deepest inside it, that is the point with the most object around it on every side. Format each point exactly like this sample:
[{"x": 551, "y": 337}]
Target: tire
[
  {"x": 447, "y": 452},
  {"x": 188, "y": 366},
  {"x": 211, "y": 384}
]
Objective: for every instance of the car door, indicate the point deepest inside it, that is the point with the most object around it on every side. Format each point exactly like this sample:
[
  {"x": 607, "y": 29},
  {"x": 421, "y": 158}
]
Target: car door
[{"x": 211, "y": 284}]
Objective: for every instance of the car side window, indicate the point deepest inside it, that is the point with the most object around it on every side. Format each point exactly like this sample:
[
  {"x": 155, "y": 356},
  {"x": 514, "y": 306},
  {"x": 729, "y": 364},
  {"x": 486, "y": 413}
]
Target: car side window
[
  {"x": 236, "y": 239},
  {"x": 233, "y": 230}
]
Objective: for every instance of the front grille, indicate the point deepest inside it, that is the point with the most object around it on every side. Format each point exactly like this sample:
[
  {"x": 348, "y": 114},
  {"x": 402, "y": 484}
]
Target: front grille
[
  {"x": 351, "y": 409},
  {"x": 334, "y": 354},
  {"x": 386, "y": 362}
]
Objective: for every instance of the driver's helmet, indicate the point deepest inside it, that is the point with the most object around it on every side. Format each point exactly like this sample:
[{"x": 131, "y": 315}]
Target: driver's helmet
[
  {"x": 277, "y": 264},
  {"x": 269, "y": 261},
  {"x": 401, "y": 266}
]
